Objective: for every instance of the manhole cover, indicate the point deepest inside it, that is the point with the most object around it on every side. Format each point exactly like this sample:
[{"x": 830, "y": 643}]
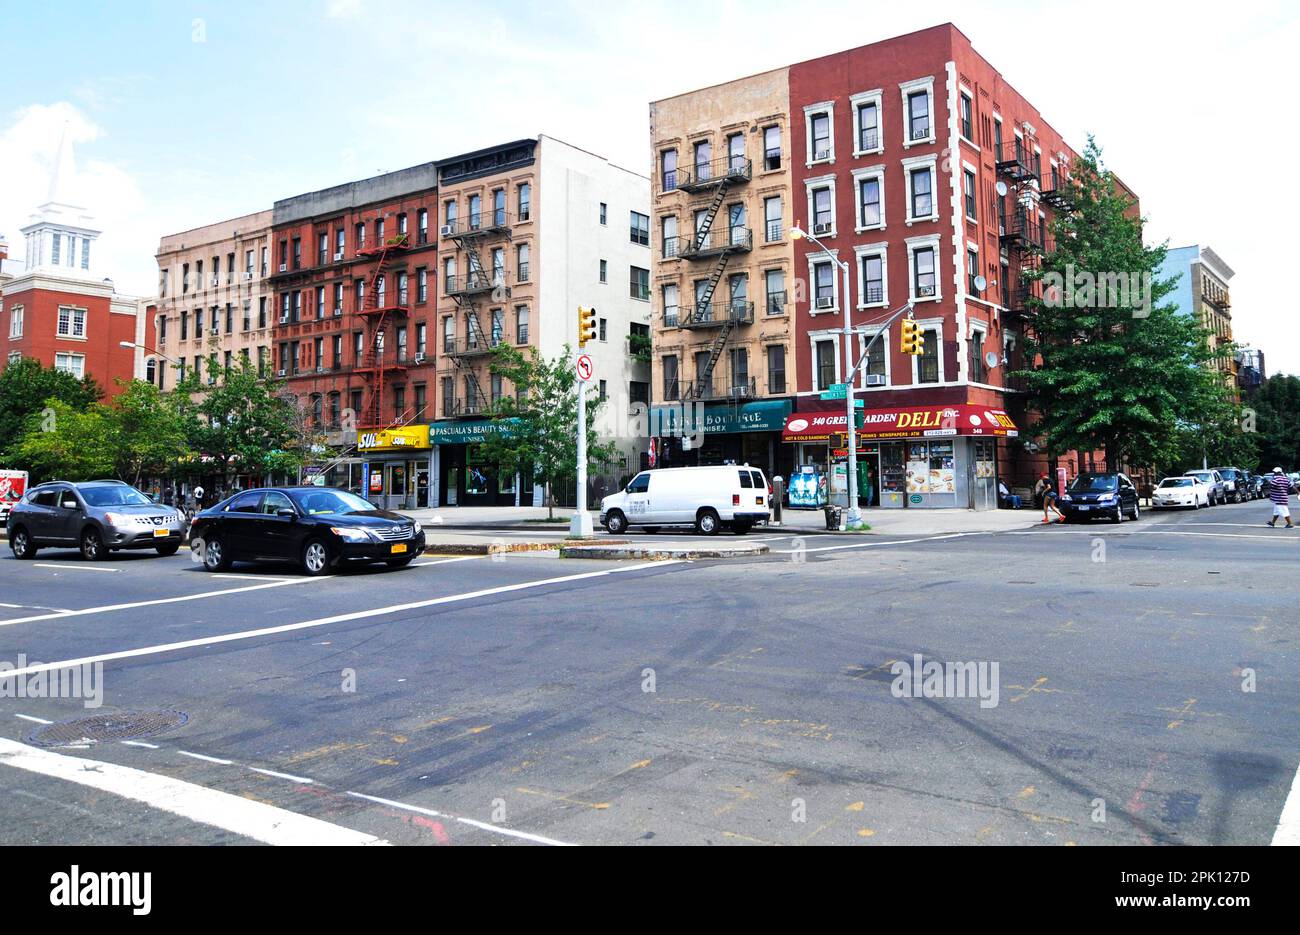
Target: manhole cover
[{"x": 105, "y": 728}]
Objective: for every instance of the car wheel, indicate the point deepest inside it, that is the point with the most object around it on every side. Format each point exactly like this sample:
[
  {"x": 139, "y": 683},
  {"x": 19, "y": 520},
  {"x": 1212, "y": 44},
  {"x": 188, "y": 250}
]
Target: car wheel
[
  {"x": 214, "y": 555},
  {"x": 169, "y": 549},
  {"x": 1137, "y": 510},
  {"x": 741, "y": 528},
  {"x": 650, "y": 530},
  {"x": 315, "y": 557},
  {"x": 1118, "y": 516},
  {"x": 707, "y": 523},
  {"x": 21, "y": 544},
  {"x": 92, "y": 546},
  {"x": 615, "y": 522}
]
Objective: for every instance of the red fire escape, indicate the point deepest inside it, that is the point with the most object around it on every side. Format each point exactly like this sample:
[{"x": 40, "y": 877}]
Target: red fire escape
[{"x": 377, "y": 362}]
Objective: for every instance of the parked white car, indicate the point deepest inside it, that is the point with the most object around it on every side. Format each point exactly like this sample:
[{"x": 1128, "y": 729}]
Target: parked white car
[
  {"x": 1212, "y": 480},
  {"x": 1185, "y": 492},
  {"x": 733, "y": 496}
]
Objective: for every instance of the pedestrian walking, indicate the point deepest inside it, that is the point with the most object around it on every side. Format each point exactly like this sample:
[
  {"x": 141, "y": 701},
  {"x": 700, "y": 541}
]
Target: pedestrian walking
[
  {"x": 198, "y": 496},
  {"x": 1279, "y": 491},
  {"x": 1049, "y": 501}
]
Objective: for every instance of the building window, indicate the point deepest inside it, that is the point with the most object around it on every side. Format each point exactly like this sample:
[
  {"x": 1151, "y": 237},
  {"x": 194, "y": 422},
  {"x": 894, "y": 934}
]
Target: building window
[
  {"x": 773, "y": 221},
  {"x": 638, "y": 392},
  {"x": 668, "y": 169},
  {"x": 969, "y": 180},
  {"x": 823, "y": 210},
  {"x": 604, "y": 212},
  {"x": 422, "y": 227},
  {"x": 870, "y": 212},
  {"x": 641, "y": 229},
  {"x": 639, "y": 282},
  {"x": 918, "y": 116},
  {"x": 873, "y": 279},
  {"x": 522, "y": 267},
  {"x": 978, "y": 370},
  {"x": 923, "y": 273},
  {"x": 670, "y": 299},
  {"x": 820, "y": 141},
  {"x": 320, "y": 302},
  {"x": 672, "y": 387},
  {"x": 322, "y": 248},
  {"x": 524, "y": 205},
  {"x": 521, "y": 324},
  {"x": 739, "y": 371},
  {"x": 921, "y": 193},
  {"x": 966, "y": 120},
  {"x": 776, "y": 369},
  {"x": 703, "y": 160},
  {"x": 866, "y": 119},
  {"x": 876, "y": 361},
  {"x": 74, "y": 364},
  {"x": 972, "y": 270},
  {"x": 736, "y": 153},
  {"x": 774, "y": 290},
  {"x": 604, "y": 271},
  {"x": 823, "y": 286},
  {"x": 771, "y": 148},
  {"x": 826, "y": 361},
  {"x": 16, "y": 322},
  {"x": 668, "y": 236},
  {"x": 927, "y": 365},
  {"x": 72, "y": 322}
]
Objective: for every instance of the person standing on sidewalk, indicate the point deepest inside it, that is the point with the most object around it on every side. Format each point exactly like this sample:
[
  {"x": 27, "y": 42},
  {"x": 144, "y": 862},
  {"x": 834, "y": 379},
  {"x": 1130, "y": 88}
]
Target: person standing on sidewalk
[{"x": 1279, "y": 491}]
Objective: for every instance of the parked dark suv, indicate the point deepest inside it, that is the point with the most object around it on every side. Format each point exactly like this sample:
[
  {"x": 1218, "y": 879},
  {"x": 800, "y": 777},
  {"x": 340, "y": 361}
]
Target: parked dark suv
[
  {"x": 97, "y": 517},
  {"x": 1106, "y": 496},
  {"x": 1234, "y": 484}
]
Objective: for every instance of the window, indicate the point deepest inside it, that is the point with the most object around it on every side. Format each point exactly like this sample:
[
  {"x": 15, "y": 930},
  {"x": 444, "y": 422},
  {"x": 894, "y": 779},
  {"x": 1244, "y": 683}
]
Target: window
[
  {"x": 74, "y": 364},
  {"x": 379, "y": 231},
  {"x": 668, "y": 235},
  {"x": 819, "y": 136},
  {"x": 401, "y": 224},
  {"x": 739, "y": 370},
  {"x": 336, "y": 346},
  {"x": 403, "y": 289},
  {"x": 420, "y": 343},
  {"x": 670, "y": 299},
  {"x": 449, "y": 275},
  {"x": 775, "y": 369},
  {"x": 297, "y": 257},
  {"x": 359, "y": 236},
  {"x": 498, "y": 326},
  {"x": 966, "y": 120},
  {"x": 774, "y": 289},
  {"x": 735, "y": 153},
  {"x": 826, "y": 360},
  {"x": 603, "y": 391},
  {"x": 978, "y": 371},
  {"x": 773, "y": 222},
  {"x": 639, "y": 282},
  {"x": 162, "y": 328},
  {"x": 668, "y": 169},
  {"x": 16, "y": 322},
  {"x": 923, "y": 273},
  {"x": 638, "y": 392},
  {"x": 604, "y": 212},
  {"x": 823, "y": 285},
  {"x": 875, "y": 363},
  {"x": 499, "y": 207},
  {"x": 521, "y": 324},
  {"x": 703, "y": 160},
  {"x": 185, "y": 278},
  {"x": 921, "y": 200},
  {"x": 72, "y": 322},
  {"x": 866, "y": 117},
  {"x": 604, "y": 271},
  {"x": 449, "y": 214},
  {"x": 869, "y": 203},
  {"x": 969, "y": 183},
  {"x": 873, "y": 279},
  {"x": 918, "y": 116},
  {"x": 297, "y": 305},
  {"x": 823, "y": 210},
  {"x": 525, "y": 201},
  {"x": 248, "y": 315},
  {"x": 322, "y": 248},
  {"x": 266, "y": 252},
  {"x": 771, "y": 148},
  {"x": 523, "y": 269},
  {"x": 601, "y": 326},
  {"x": 641, "y": 229},
  {"x": 185, "y": 326},
  {"x": 927, "y": 365},
  {"x": 422, "y": 226},
  {"x": 14, "y": 357},
  {"x": 448, "y": 335},
  {"x": 672, "y": 389},
  {"x": 737, "y": 229},
  {"x": 972, "y": 270},
  {"x": 54, "y": 253},
  {"x": 320, "y": 302}
]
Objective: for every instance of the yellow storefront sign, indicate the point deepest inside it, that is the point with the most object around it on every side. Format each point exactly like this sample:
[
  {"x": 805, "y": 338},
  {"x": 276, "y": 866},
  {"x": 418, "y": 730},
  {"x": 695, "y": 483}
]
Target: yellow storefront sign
[{"x": 399, "y": 439}]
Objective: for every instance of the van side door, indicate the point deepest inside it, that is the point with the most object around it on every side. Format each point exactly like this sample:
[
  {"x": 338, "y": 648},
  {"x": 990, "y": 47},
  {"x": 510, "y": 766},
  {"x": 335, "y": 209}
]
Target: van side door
[{"x": 638, "y": 499}]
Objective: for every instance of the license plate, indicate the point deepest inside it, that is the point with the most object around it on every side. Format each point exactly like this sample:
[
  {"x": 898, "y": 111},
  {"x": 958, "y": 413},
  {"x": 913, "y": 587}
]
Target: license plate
[
  {"x": 398, "y": 549},
  {"x": 160, "y": 533}
]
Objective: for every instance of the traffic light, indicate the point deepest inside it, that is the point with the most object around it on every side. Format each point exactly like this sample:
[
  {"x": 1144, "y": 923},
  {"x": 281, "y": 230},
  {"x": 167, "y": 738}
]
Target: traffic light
[
  {"x": 913, "y": 342},
  {"x": 586, "y": 325}
]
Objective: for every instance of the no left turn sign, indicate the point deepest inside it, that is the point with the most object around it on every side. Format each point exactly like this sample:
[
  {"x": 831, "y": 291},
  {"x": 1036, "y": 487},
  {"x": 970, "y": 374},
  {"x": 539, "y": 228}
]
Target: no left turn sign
[{"x": 584, "y": 367}]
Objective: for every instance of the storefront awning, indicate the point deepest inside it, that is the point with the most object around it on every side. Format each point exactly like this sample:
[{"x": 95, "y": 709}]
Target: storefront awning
[
  {"x": 903, "y": 422},
  {"x": 714, "y": 418}
]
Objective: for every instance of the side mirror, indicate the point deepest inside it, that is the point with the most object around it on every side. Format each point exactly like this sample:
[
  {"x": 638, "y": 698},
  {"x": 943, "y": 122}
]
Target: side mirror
[{"x": 286, "y": 513}]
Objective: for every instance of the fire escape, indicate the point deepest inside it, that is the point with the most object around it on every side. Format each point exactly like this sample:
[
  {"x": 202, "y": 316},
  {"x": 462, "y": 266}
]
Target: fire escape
[
  {"x": 375, "y": 366},
  {"x": 1021, "y": 235},
  {"x": 468, "y": 293},
  {"x": 719, "y": 245}
]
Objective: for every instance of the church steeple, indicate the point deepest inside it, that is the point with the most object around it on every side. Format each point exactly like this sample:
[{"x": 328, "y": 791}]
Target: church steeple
[{"x": 60, "y": 236}]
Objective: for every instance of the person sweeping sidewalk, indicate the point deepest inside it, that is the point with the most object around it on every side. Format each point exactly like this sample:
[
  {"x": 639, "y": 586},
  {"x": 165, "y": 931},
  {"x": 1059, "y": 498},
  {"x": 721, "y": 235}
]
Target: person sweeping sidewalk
[{"x": 1279, "y": 491}]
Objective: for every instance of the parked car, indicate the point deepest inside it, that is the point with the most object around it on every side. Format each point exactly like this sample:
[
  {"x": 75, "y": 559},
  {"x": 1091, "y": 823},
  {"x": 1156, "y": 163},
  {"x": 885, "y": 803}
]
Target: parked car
[
  {"x": 708, "y": 498},
  {"x": 97, "y": 517},
  {"x": 1214, "y": 480},
  {"x": 1234, "y": 483},
  {"x": 1186, "y": 492},
  {"x": 320, "y": 528},
  {"x": 1092, "y": 495}
]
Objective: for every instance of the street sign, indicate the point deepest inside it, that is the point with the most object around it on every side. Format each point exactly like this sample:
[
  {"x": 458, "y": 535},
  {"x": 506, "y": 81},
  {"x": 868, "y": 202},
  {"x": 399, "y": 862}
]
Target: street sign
[
  {"x": 836, "y": 391},
  {"x": 584, "y": 367}
]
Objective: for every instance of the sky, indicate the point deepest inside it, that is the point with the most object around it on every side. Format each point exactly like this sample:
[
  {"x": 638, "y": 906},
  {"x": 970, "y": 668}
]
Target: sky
[{"x": 185, "y": 113}]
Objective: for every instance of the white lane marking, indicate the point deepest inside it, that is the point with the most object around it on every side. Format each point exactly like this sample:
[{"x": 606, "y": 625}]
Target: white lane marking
[
  {"x": 867, "y": 545},
  {"x": 34, "y": 720},
  {"x": 1152, "y": 532},
  {"x": 233, "y": 813},
  {"x": 270, "y": 772},
  {"x": 1288, "y": 824},
  {"x": 77, "y": 567},
  {"x": 508, "y": 832},
  {"x": 320, "y": 621},
  {"x": 159, "y": 600},
  {"x": 206, "y": 759},
  {"x": 141, "y": 743},
  {"x": 446, "y": 561},
  {"x": 253, "y": 577}
]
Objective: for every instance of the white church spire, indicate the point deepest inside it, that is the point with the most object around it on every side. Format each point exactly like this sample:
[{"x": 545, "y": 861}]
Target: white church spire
[{"x": 61, "y": 233}]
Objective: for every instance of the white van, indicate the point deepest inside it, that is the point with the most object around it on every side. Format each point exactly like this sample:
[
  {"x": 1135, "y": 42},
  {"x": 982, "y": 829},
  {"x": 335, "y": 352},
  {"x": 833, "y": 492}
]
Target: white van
[{"x": 708, "y": 498}]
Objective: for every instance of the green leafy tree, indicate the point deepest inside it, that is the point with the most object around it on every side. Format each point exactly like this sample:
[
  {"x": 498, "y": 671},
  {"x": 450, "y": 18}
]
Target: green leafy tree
[
  {"x": 1117, "y": 370},
  {"x": 25, "y": 388},
  {"x": 146, "y": 432},
  {"x": 540, "y": 426},
  {"x": 1274, "y": 415},
  {"x": 64, "y": 442}
]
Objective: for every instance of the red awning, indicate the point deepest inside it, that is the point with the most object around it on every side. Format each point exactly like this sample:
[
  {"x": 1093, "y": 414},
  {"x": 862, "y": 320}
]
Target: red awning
[{"x": 903, "y": 422}]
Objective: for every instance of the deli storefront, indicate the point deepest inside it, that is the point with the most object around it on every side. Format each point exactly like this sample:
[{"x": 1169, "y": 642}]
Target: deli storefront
[{"x": 914, "y": 457}]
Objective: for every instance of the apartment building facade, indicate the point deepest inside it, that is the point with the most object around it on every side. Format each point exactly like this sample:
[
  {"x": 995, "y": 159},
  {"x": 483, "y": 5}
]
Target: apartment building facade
[
  {"x": 528, "y": 231},
  {"x": 724, "y": 362},
  {"x": 214, "y": 301},
  {"x": 1201, "y": 291},
  {"x": 352, "y": 272}
]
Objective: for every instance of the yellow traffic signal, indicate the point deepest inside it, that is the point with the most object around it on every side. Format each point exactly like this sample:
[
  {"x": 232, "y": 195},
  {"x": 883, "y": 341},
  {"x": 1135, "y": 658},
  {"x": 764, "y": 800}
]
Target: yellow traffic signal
[
  {"x": 912, "y": 342},
  {"x": 918, "y": 340},
  {"x": 586, "y": 325}
]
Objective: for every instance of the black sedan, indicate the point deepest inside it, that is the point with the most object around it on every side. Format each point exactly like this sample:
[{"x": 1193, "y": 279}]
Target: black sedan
[
  {"x": 1110, "y": 496},
  {"x": 320, "y": 528}
]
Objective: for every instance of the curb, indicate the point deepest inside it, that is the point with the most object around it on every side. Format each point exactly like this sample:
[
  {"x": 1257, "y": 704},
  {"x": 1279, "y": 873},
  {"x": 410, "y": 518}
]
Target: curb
[{"x": 652, "y": 554}]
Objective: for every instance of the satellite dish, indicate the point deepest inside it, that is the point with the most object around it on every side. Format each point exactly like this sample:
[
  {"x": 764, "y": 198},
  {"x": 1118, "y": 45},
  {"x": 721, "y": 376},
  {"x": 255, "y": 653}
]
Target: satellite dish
[
  {"x": 991, "y": 359},
  {"x": 981, "y": 283},
  {"x": 1001, "y": 189}
]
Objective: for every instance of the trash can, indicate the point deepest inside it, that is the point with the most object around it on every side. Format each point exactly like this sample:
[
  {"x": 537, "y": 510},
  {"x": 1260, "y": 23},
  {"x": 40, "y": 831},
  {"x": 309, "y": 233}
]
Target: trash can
[{"x": 833, "y": 515}]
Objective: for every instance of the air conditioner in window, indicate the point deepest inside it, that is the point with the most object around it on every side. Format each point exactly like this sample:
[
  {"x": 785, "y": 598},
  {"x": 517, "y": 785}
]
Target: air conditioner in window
[
  {"x": 338, "y": 256},
  {"x": 874, "y": 379},
  {"x": 216, "y": 280},
  {"x": 419, "y": 358},
  {"x": 338, "y": 311},
  {"x": 248, "y": 275},
  {"x": 825, "y": 302},
  {"x": 920, "y": 134},
  {"x": 284, "y": 319},
  {"x": 320, "y": 368},
  {"x": 821, "y": 229},
  {"x": 283, "y": 267},
  {"x": 280, "y": 372},
  {"x": 821, "y": 154},
  {"x": 446, "y": 230}
]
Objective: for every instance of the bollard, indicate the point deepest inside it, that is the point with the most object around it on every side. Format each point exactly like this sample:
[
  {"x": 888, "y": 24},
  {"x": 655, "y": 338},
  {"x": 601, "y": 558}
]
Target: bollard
[{"x": 778, "y": 494}]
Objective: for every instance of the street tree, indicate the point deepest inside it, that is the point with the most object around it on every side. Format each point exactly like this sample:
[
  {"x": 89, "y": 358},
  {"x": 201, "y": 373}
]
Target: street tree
[
  {"x": 537, "y": 426},
  {"x": 1275, "y": 419},
  {"x": 1117, "y": 368},
  {"x": 65, "y": 442},
  {"x": 26, "y": 386},
  {"x": 146, "y": 433}
]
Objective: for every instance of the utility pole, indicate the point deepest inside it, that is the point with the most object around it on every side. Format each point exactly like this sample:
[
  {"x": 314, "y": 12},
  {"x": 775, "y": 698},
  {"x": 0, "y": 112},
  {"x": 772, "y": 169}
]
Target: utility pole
[{"x": 581, "y": 526}]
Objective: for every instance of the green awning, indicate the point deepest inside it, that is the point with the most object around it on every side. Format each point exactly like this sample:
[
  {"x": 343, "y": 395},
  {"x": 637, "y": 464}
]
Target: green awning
[
  {"x": 767, "y": 415},
  {"x": 469, "y": 431}
]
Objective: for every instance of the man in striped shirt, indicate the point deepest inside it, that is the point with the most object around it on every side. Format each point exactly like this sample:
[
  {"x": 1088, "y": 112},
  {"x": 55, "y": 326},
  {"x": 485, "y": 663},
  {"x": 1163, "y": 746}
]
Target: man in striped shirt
[{"x": 1279, "y": 491}]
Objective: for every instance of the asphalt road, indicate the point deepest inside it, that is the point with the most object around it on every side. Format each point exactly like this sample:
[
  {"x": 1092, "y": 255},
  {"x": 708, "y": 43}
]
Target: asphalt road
[{"x": 1147, "y": 691}]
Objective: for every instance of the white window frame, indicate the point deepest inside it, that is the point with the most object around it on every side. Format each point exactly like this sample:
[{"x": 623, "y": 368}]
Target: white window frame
[
  {"x": 920, "y": 243},
  {"x": 859, "y": 176},
  {"x": 72, "y": 357},
  {"x": 816, "y": 337},
  {"x": 935, "y": 325},
  {"x": 910, "y": 165},
  {"x": 860, "y": 253},
  {"x": 836, "y": 274},
  {"x": 982, "y": 329},
  {"x": 73, "y": 311},
  {"x": 975, "y": 195},
  {"x": 963, "y": 91},
  {"x": 821, "y": 181},
  {"x": 864, "y": 336},
  {"x": 855, "y": 102},
  {"x": 15, "y": 356},
  {"x": 813, "y": 110},
  {"x": 16, "y": 322},
  {"x": 906, "y": 88}
]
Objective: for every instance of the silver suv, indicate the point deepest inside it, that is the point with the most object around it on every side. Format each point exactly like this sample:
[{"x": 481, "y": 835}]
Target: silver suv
[{"x": 97, "y": 517}]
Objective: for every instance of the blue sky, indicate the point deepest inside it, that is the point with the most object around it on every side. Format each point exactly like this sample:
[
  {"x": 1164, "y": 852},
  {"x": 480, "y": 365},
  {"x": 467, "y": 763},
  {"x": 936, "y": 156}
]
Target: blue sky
[{"x": 186, "y": 113}]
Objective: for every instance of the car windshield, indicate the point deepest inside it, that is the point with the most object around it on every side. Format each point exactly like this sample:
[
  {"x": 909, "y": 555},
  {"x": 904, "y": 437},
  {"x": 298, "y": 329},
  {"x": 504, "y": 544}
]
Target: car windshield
[
  {"x": 329, "y": 501},
  {"x": 1086, "y": 483},
  {"x": 1176, "y": 482},
  {"x": 114, "y": 495}
]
